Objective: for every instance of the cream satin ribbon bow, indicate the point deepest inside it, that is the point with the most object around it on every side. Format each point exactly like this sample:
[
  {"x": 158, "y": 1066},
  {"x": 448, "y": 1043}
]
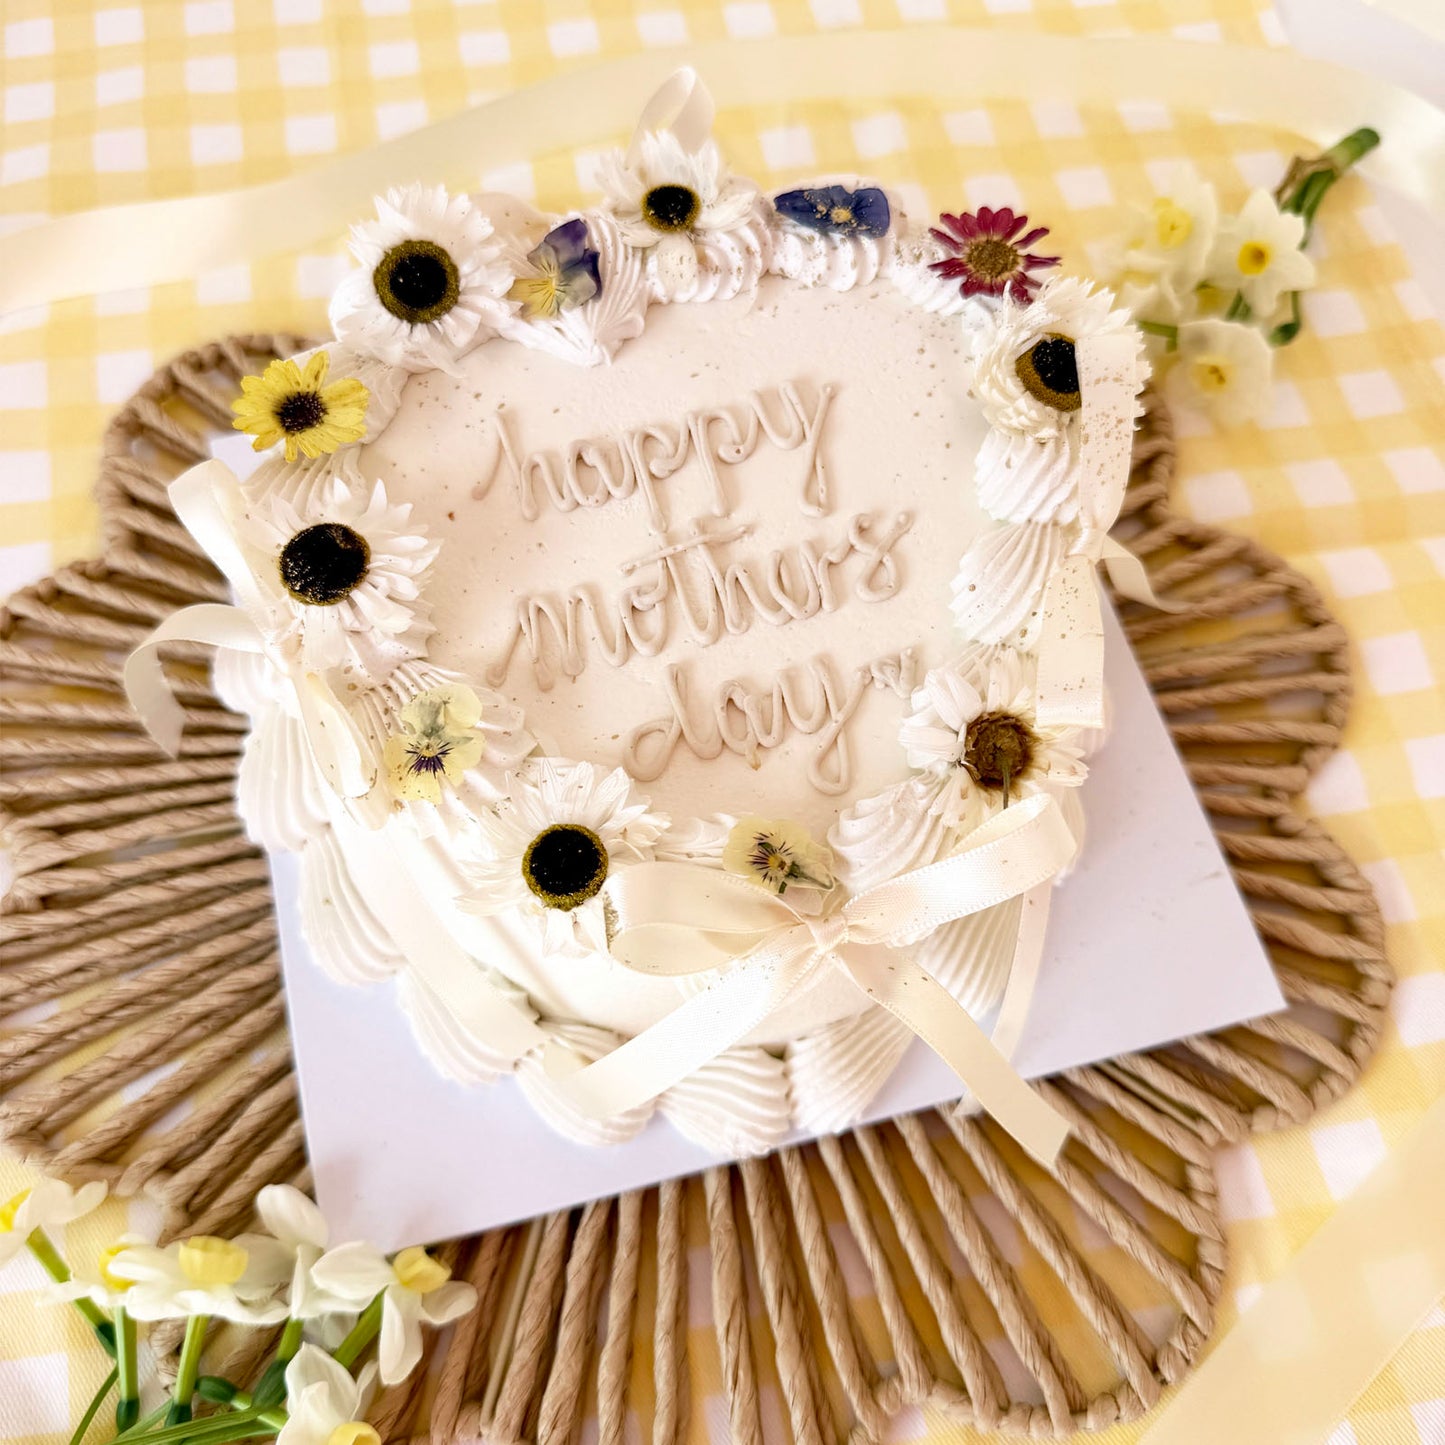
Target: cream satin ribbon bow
[
  {"x": 675, "y": 919},
  {"x": 1070, "y": 679},
  {"x": 208, "y": 499}
]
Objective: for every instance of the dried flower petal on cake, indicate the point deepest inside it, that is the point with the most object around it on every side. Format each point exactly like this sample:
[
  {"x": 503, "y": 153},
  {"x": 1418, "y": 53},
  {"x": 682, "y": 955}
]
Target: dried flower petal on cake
[
  {"x": 836, "y": 210},
  {"x": 436, "y": 743},
  {"x": 300, "y": 409},
  {"x": 1257, "y": 254},
  {"x": 341, "y": 573},
  {"x": 564, "y": 272},
  {"x": 415, "y": 1289},
  {"x": 666, "y": 198},
  {"x": 325, "y": 1403},
  {"x": 230, "y": 1279},
  {"x": 778, "y": 854},
  {"x": 988, "y": 253},
  {"x": 549, "y": 849},
  {"x": 1223, "y": 368},
  {"x": 972, "y": 727},
  {"x": 1022, "y": 361},
  {"x": 432, "y": 280}
]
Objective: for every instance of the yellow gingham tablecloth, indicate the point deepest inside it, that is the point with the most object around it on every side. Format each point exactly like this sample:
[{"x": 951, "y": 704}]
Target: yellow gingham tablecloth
[{"x": 1345, "y": 478}]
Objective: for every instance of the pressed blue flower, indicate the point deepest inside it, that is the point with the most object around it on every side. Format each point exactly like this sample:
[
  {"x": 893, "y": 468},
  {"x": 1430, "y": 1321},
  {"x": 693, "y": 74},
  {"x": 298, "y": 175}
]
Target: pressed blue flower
[
  {"x": 863, "y": 212},
  {"x": 565, "y": 272}
]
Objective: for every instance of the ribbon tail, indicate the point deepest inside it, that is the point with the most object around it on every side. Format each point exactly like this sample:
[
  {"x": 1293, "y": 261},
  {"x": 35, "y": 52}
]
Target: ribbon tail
[
  {"x": 335, "y": 740},
  {"x": 1070, "y": 678},
  {"x": 1130, "y": 579},
  {"x": 693, "y": 1034},
  {"x": 681, "y": 104},
  {"x": 212, "y": 623},
  {"x": 926, "y": 1007}
]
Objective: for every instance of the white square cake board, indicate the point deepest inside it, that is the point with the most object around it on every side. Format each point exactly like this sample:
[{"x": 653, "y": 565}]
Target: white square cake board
[{"x": 1148, "y": 942}]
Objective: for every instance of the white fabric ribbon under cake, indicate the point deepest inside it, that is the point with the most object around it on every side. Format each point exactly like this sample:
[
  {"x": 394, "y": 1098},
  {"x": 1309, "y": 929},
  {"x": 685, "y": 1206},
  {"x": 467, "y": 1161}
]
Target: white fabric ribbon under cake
[
  {"x": 677, "y": 919},
  {"x": 1070, "y": 679},
  {"x": 208, "y": 501}
]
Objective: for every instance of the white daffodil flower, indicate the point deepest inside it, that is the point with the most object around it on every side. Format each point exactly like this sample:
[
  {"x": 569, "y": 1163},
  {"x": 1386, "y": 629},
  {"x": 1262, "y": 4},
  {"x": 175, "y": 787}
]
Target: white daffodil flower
[
  {"x": 232, "y": 1279},
  {"x": 1258, "y": 254},
  {"x": 324, "y": 1403},
  {"x": 415, "y": 1290},
  {"x": 47, "y": 1205},
  {"x": 1172, "y": 237},
  {"x": 93, "y": 1280},
  {"x": 1223, "y": 368},
  {"x": 299, "y": 1227}
]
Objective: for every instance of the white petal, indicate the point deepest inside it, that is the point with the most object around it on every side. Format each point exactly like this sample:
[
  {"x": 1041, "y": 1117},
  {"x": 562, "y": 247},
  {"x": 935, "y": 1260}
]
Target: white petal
[
  {"x": 400, "y": 1346},
  {"x": 291, "y": 1216},
  {"x": 354, "y": 1271}
]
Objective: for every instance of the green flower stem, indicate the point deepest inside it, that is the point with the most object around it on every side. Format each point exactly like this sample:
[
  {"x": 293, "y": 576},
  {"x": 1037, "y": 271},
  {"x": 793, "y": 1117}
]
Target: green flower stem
[
  {"x": 42, "y": 1247},
  {"x": 144, "y": 1423},
  {"x": 190, "y": 1368},
  {"x": 93, "y": 1409},
  {"x": 1161, "y": 328},
  {"x": 127, "y": 1405},
  {"x": 290, "y": 1341},
  {"x": 363, "y": 1332},
  {"x": 216, "y": 1429}
]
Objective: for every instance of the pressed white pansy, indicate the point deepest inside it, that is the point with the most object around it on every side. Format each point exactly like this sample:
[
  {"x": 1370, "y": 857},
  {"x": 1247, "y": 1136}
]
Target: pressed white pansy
[
  {"x": 1257, "y": 253},
  {"x": 231, "y": 1279},
  {"x": 1223, "y": 368},
  {"x": 433, "y": 280},
  {"x": 779, "y": 855},
  {"x": 1022, "y": 363},
  {"x": 551, "y": 846},
  {"x": 436, "y": 741},
  {"x": 325, "y": 1404},
  {"x": 665, "y": 195},
  {"x": 972, "y": 728},
  {"x": 47, "y": 1205},
  {"x": 415, "y": 1290},
  {"x": 341, "y": 576}
]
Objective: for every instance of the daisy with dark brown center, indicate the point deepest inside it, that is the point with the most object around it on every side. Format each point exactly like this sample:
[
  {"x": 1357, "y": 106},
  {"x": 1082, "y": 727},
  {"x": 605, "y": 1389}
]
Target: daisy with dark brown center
[
  {"x": 972, "y": 728},
  {"x": 1049, "y": 371},
  {"x": 549, "y": 848},
  {"x": 300, "y": 409}
]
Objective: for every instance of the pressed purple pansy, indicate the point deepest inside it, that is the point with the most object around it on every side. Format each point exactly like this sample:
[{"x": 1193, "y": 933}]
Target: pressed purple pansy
[
  {"x": 565, "y": 272},
  {"x": 836, "y": 209},
  {"x": 988, "y": 255}
]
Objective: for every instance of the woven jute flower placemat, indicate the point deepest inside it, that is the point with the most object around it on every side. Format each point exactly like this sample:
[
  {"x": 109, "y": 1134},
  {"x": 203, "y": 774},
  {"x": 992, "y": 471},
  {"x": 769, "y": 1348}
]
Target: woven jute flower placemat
[{"x": 143, "y": 1039}]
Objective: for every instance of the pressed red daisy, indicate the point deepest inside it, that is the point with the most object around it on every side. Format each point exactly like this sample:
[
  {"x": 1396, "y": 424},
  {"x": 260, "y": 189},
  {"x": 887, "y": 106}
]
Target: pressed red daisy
[{"x": 988, "y": 255}]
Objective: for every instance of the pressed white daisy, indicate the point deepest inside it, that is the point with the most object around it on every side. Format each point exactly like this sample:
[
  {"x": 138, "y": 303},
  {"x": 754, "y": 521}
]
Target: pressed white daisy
[
  {"x": 972, "y": 727},
  {"x": 414, "y": 1289},
  {"x": 433, "y": 280},
  {"x": 778, "y": 854},
  {"x": 666, "y": 196},
  {"x": 47, "y": 1205},
  {"x": 552, "y": 845},
  {"x": 339, "y": 572},
  {"x": 1024, "y": 371},
  {"x": 1223, "y": 368},
  {"x": 1258, "y": 253},
  {"x": 325, "y": 1403},
  {"x": 1172, "y": 236},
  {"x": 230, "y": 1279}
]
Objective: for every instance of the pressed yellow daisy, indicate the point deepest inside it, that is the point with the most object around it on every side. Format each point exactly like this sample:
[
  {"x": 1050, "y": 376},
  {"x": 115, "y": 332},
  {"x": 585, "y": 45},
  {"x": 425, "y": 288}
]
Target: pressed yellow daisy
[{"x": 297, "y": 407}]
